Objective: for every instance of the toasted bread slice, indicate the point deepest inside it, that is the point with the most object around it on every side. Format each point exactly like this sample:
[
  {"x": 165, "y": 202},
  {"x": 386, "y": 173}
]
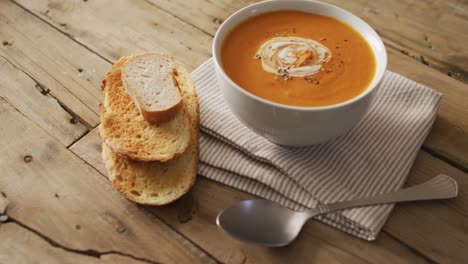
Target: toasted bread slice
[
  {"x": 152, "y": 183},
  {"x": 150, "y": 81},
  {"x": 159, "y": 183},
  {"x": 127, "y": 133}
]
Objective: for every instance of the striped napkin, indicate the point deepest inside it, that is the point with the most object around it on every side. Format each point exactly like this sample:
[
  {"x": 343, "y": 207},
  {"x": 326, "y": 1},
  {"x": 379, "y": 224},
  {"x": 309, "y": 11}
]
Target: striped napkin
[{"x": 374, "y": 157}]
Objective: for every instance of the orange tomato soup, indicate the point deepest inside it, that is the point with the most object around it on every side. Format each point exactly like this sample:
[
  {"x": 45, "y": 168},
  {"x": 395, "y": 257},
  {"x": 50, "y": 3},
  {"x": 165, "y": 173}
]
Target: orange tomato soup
[{"x": 348, "y": 71}]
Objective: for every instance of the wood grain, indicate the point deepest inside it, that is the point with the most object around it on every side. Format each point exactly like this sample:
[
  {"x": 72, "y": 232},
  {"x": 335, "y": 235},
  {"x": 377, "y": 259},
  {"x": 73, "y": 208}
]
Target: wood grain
[
  {"x": 114, "y": 29},
  {"x": 431, "y": 28},
  {"x": 61, "y": 68},
  {"x": 23, "y": 246},
  {"x": 449, "y": 134},
  {"x": 49, "y": 41},
  {"x": 448, "y": 138},
  {"x": 194, "y": 216},
  {"x": 452, "y": 118},
  {"x": 55, "y": 193},
  {"x": 30, "y": 99},
  {"x": 439, "y": 229}
]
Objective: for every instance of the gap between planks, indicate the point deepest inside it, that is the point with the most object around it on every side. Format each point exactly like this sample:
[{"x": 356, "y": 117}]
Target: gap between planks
[
  {"x": 27, "y": 126},
  {"x": 46, "y": 92},
  {"x": 142, "y": 207},
  {"x": 68, "y": 35},
  {"x": 389, "y": 44},
  {"x": 437, "y": 156},
  {"x": 89, "y": 252},
  {"x": 416, "y": 251},
  {"x": 40, "y": 249},
  {"x": 71, "y": 37},
  {"x": 88, "y": 131},
  {"x": 412, "y": 249}
]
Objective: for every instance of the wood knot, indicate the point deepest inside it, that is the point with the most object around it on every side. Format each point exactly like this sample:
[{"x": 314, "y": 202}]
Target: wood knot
[
  {"x": 217, "y": 21},
  {"x": 77, "y": 227},
  {"x": 27, "y": 158},
  {"x": 6, "y": 43},
  {"x": 74, "y": 120},
  {"x": 80, "y": 70}
]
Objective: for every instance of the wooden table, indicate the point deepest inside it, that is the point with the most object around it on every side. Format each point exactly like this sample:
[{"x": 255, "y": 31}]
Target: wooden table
[{"x": 62, "y": 209}]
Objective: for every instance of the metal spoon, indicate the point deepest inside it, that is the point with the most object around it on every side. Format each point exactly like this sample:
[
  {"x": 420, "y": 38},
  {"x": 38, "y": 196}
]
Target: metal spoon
[{"x": 269, "y": 224}]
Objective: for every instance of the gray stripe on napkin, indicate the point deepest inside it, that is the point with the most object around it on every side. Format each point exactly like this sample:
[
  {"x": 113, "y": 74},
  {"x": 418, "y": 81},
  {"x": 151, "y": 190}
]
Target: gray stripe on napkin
[{"x": 374, "y": 157}]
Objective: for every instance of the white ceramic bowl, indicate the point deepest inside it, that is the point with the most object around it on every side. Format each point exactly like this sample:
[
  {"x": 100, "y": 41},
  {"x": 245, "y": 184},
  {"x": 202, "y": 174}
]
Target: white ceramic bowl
[{"x": 292, "y": 125}]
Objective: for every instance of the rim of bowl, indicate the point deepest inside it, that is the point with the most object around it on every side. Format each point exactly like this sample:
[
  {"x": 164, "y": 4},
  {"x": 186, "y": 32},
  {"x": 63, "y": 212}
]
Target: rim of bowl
[{"x": 370, "y": 88}]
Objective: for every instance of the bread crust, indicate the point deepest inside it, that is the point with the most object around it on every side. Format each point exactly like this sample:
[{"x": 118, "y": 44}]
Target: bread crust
[
  {"x": 161, "y": 115},
  {"x": 126, "y": 132},
  {"x": 159, "y": 183}
]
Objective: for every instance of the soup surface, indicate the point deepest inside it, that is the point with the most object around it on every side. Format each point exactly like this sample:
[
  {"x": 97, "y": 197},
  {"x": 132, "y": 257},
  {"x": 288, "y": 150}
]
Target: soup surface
[{"x": 297, "y": 58}]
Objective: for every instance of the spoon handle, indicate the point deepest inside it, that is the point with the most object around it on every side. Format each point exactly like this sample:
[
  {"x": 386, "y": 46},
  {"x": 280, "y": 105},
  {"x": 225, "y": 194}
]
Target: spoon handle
[{"x": 440, "y": 187}]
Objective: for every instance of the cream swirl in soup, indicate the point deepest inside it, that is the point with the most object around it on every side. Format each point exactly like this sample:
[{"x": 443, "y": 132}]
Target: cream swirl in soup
[{"x": 293, "y": 56}]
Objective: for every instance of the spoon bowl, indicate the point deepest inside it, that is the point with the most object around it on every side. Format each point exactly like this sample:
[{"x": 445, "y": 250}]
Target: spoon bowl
[{"x": 262, "y": 222}]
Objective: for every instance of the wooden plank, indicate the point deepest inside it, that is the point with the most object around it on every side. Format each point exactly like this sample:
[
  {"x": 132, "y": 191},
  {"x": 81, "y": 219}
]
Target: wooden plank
[
  {"x": 194, "y": 216},
  {"x": 94, "y": 36},
  {"x": 62, "y": 68},
  {"x": 121, "y": 28},
  {"x": 449, "y": 134},
  {"x": 55, "y": 193},
  {"x": 429, "y": 28},
  {"x": 23, "y": 246},
  {"x": 437, "y": 229},
  {"x": 28, "y": 97},
  {"x": 448, "y": 137}
]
